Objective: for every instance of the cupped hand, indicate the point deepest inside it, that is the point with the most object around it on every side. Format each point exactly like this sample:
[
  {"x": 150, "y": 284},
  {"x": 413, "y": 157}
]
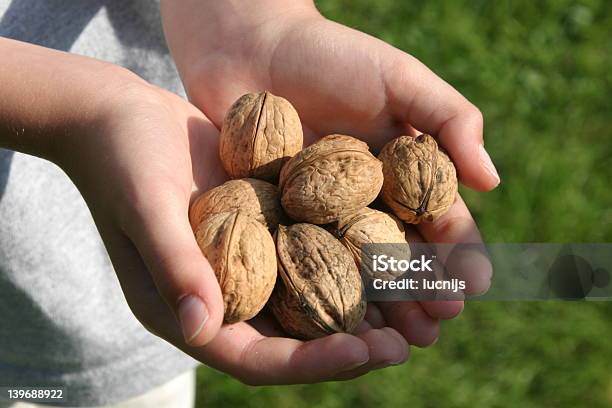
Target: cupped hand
[
  {"x": 340, "y": 81},
  {"x": 137, "y": 165}
]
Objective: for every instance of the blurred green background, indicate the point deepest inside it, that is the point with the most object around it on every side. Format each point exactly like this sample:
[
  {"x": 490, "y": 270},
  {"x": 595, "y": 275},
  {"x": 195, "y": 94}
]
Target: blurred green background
[{"x": 541, "y": 72}]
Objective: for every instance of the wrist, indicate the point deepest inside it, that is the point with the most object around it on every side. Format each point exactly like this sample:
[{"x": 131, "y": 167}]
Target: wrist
[
  {"x": 47, "y": 96},
  {"x": 197, "y": 31},
  {"x": 106, "y": 107},
  {"x": 228, "y": 15},
  {"x": 94, "y": 111}
]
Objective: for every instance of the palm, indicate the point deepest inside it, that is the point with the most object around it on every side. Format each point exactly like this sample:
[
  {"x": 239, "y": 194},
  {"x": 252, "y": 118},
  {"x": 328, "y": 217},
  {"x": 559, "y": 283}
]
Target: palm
[
  {"x": 343, "y": 81},
  {"x": 340, "y": 87},
  {"x": 335, "y": 88},
  {"x": 137, "y": 174}
]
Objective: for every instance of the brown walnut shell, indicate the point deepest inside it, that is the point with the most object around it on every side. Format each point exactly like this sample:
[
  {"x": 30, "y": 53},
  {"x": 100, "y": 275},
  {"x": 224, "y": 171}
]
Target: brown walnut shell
[
  {"x": 330, "y": 179},
  {"x": 319, "y": 290},
  {"x": 241, "y": 252},
  {"x": 420, "y": 179},
  {"x": 369, "y": 226},
  {"x": 256, "y": 198},
  {"x": 259, "y": 133}
]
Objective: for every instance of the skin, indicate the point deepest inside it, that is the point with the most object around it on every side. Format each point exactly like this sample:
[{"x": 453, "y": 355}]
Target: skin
[
  {"x": 226, "y": 49},
  {"x": 102, "y": 123}
]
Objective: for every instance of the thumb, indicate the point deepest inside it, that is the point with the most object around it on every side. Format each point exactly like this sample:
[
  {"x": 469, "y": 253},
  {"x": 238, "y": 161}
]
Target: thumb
[{"x": 161, "y": 232}]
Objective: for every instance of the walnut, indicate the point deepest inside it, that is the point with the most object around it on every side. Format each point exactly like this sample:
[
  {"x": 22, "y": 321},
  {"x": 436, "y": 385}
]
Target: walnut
[
  {"x": 420, "y": 180},
  {"x": 330, "y": 179},
  {"x": 369, "y": 226},
  {"x": 241, "y": 252},
  {"x": 319, "y": 290},
  {"x": 255, "y": 197},
  {"x": 259, "y": 133}
]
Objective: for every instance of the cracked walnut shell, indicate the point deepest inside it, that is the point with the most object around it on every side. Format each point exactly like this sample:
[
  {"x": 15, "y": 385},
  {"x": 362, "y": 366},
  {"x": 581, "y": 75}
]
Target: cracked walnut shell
[
  {"x": 241, "y": 252},
  {"x": 259, "y": 133},
  {"x": 255, "y": 197},
  {"x": 319, "y": 290},
  {"x": 329, "y": 179},
  {"x": 420, "y": 179},
  {"x": 369, "y": 226}
]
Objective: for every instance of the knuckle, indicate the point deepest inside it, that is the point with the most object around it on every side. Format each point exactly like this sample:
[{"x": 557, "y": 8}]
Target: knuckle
[
  {"x": 152, "y": 198},
  {"x": 248, "y": 362},
  {"x": 163, "y": 272},
  {"x": 143, "y": 315},
  {"x": 172, "y": 274},
  {"x": 148, "y": 324},
  {"x": 475, "y": 115}
]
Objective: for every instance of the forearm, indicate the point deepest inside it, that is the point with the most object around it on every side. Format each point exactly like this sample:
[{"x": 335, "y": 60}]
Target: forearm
[{"x": 45, "y": 94}]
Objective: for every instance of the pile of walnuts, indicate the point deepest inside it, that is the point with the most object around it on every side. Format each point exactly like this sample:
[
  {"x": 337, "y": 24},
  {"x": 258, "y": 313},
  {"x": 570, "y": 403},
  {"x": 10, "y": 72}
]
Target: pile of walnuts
[{"x": 286, "y": 231}]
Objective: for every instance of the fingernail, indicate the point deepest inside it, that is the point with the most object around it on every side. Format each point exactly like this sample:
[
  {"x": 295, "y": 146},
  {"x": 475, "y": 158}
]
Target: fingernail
[
  {"x": 398, "y": 361},
  {"x": 486, "y": 161},
  {"x": 388, "y": 363},
  {"x": 193, "y": 315},
  {"x": 354, "y": 365}
]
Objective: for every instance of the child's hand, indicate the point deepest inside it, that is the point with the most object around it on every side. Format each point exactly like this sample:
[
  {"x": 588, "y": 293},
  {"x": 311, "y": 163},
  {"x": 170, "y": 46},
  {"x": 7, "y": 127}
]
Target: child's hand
[
  {"x": 341, "y": 81},
  {"x": 136, "y": 167},
  {"x": 135, "y": 170},
  {"x": 136, "y": 153}
]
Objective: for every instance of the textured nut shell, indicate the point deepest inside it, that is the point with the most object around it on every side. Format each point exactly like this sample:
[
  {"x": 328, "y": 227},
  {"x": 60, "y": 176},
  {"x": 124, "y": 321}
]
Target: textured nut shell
[
  {"x": 319, "y": 290},
  {"x": 256, "y": 198},
  {"x": 330, "y": 179},
  {"x": 241, "y": 252},
  {"x": 420, "y": 180},
  {"x": 369, "y": 226},
  {"x": 259, "y": 133}
]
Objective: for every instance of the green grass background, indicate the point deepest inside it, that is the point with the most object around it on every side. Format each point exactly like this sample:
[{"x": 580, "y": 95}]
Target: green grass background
[{"x": 541, "y": 72}]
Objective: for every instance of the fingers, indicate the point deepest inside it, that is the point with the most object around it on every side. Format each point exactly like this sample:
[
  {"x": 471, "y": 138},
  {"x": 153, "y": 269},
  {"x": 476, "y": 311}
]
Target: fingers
[
  {"x": 411, "y": 321},
  {"x": 437, "y": 309},
  {"x": 374, "y": 317},
  {"x": 465, "y": 263},
  {"x": 387, "y": 347},
  {"x": 428, "y": 103},
  {"x": 243, "y": 352},
  {"x": 442, "y": 309},
  {"x": 161, "y": 232}
]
